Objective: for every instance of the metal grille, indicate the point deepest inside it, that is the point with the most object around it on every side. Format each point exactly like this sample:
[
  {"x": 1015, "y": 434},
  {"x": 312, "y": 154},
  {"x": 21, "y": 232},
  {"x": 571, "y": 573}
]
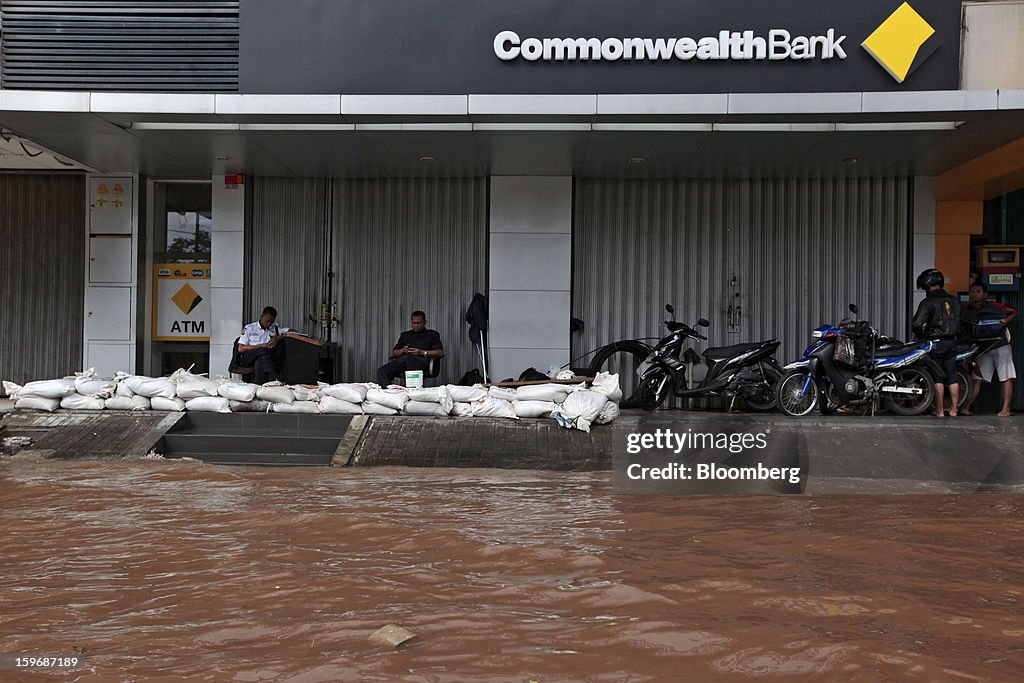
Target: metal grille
[
  {"x": 42, "y": 275},
  {"x": 398, "y": 245},
  {"x": 799, "y": 250},
  {"x": 116, "y": 45}
]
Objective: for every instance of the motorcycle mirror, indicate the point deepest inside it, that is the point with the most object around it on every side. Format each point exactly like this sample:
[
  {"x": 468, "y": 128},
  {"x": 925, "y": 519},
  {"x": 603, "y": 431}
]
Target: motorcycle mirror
[
  {"x": 704, "y": 322},
  {"x": 668, "y": 307},
  {"x": 853, "y": 309}
]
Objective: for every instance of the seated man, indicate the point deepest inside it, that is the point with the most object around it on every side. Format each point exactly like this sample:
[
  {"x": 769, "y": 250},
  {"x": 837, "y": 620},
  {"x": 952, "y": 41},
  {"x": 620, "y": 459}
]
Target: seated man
[
  {"x": 257, "y": 343},
  {"x": 412, "y": 351}
]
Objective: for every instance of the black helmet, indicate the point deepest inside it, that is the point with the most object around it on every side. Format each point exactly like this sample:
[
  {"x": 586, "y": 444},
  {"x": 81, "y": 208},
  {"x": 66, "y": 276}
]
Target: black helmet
[{"x": 930, "y": 277}]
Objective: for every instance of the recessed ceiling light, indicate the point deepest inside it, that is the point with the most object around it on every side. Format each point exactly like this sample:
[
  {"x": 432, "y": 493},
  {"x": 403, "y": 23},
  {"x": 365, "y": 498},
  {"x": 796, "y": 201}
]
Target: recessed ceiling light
[
  {"x": 637, "y": 161},
  {"x": 427, "y": 160},
  {"x": 850, "y": 161},
  {"x": 223, "y": 158}
]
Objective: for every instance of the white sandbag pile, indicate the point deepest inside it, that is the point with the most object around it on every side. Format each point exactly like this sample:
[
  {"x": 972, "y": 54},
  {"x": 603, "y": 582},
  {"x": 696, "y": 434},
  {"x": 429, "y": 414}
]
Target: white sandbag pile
[{"x": 574, "y": 406}]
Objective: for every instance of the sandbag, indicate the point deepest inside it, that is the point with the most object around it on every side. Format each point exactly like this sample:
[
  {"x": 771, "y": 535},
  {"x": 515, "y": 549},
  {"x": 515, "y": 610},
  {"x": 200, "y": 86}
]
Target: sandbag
[
  {"x": 462, "y": 394},
  {"x": 608, "y": 413},
  {"x": 11, "y": 389},
  {"x": 275, "y": 392},
  {"x": 580, "y": 409},
  {"x": 350, "y": 392},
  {"x": 371, "y": 408},
  {"x": 425, "y": 408},
  {"x": 304, "y": 393},
  {"x": 391, "y": 398},
  {"x": 554, "y": 393},
  {"x": 533, "y": 408},
  {"x": 48, "y": 388},
  {"x": 502, "y": 393},
  {"x": 494, "y": 407},
  {"x": 152, "y": 387},
  {"x": 78, "y": 402},
  {"x": 164, "y": 403},
  {"x": 306, "y": 407},
  {"x": 462, "y": 409},
  {"x": 208, "y": 404},
  {"x": 36, "y": 403},
  {"x": 336, "y": 406},
  {"x": 607, "y": 384},
  {"x": 127, "y": 403},
  {"x": 88, "y": 384},
  {"x": 238, "y": 391},
  {"x": 438, "y": 395},
  {"x": 122, "y": 389},
  {"x": 250, "y": 406},
  {"x": 195, "y": 386}
]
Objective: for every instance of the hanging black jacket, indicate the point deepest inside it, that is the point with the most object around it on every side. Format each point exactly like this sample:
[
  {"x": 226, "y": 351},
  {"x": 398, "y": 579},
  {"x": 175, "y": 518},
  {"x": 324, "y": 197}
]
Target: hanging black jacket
[{"x": 938, "y": 316}]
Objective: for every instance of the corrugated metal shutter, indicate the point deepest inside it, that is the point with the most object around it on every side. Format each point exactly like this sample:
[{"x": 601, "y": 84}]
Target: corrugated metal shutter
[
  {"x": 800, "y": 250},
  {"x": 399, "y": 245},
  {"x": 1006, "y": 226},
  {"x": 42, "y": 275},
  {"x": 116, "y": 45}
]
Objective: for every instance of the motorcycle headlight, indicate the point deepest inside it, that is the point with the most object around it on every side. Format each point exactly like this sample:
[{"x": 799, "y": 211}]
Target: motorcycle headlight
[{"x": 816, "y": 334}]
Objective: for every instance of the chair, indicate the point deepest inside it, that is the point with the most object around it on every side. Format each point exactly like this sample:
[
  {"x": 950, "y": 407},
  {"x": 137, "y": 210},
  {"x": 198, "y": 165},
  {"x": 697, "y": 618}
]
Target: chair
[{"x": 235, "y": 367}]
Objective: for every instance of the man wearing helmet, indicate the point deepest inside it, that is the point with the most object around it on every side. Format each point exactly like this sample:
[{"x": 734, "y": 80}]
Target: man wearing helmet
[{"x": 938, "y": 319}]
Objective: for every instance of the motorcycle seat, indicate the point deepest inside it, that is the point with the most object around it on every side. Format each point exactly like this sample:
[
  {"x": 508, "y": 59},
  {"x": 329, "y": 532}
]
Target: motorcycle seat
[
  {"x": 723, "y": 352},
  {"x": 893, "y": 351}
]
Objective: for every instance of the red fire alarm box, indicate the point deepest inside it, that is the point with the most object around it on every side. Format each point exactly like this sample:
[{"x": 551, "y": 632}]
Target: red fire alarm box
[{"x": 233, "y": 182}]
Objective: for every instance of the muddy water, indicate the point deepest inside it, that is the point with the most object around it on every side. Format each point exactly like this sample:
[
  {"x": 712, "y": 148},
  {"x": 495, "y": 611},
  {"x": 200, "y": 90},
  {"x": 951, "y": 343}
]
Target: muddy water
[{"x": 180, "y": 571}]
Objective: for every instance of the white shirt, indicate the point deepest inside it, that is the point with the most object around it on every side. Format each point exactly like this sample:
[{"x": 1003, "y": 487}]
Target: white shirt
[{"x": 253, "y": 334}]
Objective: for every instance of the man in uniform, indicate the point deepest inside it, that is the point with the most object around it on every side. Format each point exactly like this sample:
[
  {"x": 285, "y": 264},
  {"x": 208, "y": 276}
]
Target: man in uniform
[
  {"x": 412, "y": 351},
  {"x": 257, "y": 343}
]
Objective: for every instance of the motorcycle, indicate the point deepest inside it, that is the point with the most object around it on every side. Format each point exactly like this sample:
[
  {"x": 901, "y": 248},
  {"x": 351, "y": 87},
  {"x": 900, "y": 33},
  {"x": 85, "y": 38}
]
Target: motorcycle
[
  {"x": 846, "y": 365},
  {"x": 748, "y": 371}
]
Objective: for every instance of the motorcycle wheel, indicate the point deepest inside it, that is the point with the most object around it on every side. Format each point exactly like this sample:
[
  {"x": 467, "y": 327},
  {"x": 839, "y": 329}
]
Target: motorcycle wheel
[
  {"x": 791, "y": 396},
  {"x": 911, "y": 404},
  {"x": 647, "y": 392},
  {"x": 622, "y": 357},
  {"x": 763, "y": 396}
]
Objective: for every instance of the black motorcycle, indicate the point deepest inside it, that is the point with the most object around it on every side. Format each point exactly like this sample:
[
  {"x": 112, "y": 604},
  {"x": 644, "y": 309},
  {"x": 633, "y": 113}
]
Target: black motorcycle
[{"x": 748, "y": 371}]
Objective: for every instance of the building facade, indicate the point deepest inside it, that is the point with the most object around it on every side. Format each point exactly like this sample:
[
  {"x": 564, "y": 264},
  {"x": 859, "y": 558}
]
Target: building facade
[{"x": 169, "y": 168}]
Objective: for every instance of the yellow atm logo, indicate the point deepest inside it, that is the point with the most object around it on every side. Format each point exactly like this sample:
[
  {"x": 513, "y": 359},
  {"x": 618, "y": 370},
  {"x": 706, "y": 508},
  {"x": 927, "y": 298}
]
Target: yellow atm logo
[
  {"x": 902, "y": 42},
  {"x": 186, "y": 299}
]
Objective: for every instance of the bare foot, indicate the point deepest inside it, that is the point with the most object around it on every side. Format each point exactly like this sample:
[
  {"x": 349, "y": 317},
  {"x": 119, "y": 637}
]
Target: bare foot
[
  {"x": 940, "y": 414},
  {"x": 1005, "y": 413},
  {"x": 966, "y": 413},
  {"x": 952, "y": 413}
]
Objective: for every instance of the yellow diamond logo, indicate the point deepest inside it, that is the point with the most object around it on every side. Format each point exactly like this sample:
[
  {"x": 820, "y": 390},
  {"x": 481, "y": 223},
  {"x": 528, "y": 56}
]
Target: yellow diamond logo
[
  {"x": 903, "y": 41},
  {"x": 186, "y": 299}
]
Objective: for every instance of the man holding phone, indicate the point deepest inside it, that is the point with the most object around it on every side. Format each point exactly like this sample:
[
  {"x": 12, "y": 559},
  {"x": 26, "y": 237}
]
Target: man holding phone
[{"x": 413, "y": 350}]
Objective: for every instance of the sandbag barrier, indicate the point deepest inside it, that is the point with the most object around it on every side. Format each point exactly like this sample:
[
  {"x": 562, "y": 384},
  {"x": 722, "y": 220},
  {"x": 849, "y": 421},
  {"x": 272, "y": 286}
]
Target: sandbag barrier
[{"x": 573, "y": 406}]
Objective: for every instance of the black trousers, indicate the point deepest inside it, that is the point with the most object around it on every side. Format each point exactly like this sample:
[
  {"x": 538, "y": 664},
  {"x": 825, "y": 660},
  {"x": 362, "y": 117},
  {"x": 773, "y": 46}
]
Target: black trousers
[
  {"x": 264, "y": 362},
  {"x": 398, "y": 366},
  {"x": 944, "y": 353}
]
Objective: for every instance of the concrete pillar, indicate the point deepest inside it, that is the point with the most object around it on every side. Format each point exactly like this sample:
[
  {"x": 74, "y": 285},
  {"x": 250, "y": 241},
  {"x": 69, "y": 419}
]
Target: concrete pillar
[
  {"x": 227, "y": 264},
  {"x": 924, "y": 232},
  {"x": 530, "y": 268}
]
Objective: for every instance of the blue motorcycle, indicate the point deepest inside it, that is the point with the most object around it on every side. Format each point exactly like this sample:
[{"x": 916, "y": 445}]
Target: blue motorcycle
[{"x": 851, "y": 364}]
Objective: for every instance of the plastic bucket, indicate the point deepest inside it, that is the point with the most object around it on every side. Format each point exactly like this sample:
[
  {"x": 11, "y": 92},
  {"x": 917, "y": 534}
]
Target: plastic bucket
[{"x": 413, "y": 379}]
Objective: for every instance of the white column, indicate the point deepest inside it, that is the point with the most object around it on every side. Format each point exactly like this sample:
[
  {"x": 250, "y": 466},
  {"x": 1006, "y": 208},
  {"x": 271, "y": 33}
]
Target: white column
[
  {"x": 111, "y": 286},
  {"x": 530, "y": 269},
  {"x": 227, "y": 262},
  {"x": 924, "y": 232}
]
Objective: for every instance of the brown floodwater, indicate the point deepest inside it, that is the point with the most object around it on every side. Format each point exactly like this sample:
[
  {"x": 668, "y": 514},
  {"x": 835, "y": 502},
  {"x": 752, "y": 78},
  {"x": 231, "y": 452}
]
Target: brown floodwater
[{"x": 179, "y": 571}]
